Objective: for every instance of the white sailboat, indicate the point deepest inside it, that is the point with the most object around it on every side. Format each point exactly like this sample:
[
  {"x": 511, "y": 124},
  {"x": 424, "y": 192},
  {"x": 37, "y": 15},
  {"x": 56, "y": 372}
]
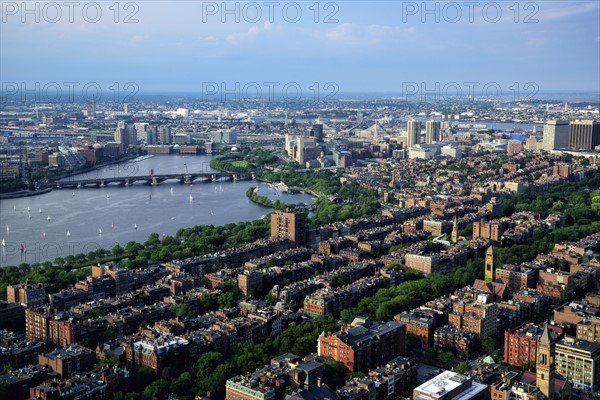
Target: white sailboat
[
  {"x": 40, "y": 210},
  {"x": 48, "y": 218},
  {"x": 68, "y": 234},
  {"x": 108, "y": 196},
  {"x": 135, "y": 226},
  {"x": 3, "y": 243},
  {"x": 100, "y": 231},
  {"x": 28, "y": 209},
  {"x": 171, "y": 191},
  {"x": 73, "y": 193},
  {"x": 191, "y": 198},
  {"x": 43, "y": 234}
]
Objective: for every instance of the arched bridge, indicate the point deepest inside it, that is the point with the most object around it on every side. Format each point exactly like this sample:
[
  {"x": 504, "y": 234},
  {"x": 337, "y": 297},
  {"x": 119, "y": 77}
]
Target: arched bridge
[{"x": 186, "y": 178}]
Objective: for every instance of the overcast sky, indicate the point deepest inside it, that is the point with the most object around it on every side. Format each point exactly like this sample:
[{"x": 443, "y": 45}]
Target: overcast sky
[{"x": 373, "y": 46}]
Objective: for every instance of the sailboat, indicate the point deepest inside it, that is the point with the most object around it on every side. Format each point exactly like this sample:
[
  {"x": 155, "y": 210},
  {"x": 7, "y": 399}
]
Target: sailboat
[
  {"x": 28, "y": 209},
  {"x": 48, "y": 218},
  {"x": 100, "y": 231},
  {"x": 135, "y": 226},
  {"x": 68, "y": 234},
  {"x": 108, "y": 196},
  {"x": 191, "y": 198},
  {"x": 73, "y": 193},
  {"x": 113, "y": 225},
  {"x": 7, "y": 229},
  {"x": 171, "y": 191},
  {"x": 43, "y": 234},
  {"x": 29, "y": 215},
  {"x": 211, "y": 212},
  {"x": 40, "y": 210},
  {"x": 3, "y": 243}
]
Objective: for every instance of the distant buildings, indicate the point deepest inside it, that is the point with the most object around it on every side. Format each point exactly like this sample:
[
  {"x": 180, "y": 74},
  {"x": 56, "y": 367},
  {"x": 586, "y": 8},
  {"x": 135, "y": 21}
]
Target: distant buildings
[
  {"x": 125, "y": 134},
  {"x": 584, "y": 134},
  {"x": 413, "y": 130},
  {"x": 433, "y": 130},
  {"x": 556, "y": 135},
  {"x": 225, "y": 137}
]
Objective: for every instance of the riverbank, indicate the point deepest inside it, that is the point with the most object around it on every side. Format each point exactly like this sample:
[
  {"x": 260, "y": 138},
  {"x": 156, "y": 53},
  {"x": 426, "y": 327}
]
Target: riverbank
[{"x": 23, "y": 193}]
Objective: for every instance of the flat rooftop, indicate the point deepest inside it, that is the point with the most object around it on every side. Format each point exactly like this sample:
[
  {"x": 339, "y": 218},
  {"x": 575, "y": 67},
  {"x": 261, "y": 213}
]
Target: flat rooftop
[{"x": 446, "y": 382}]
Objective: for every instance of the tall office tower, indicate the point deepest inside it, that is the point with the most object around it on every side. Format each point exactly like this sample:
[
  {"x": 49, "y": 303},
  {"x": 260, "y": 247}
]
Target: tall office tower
[
  {"x": 584, "y": 134},
  {"x": 289, "y": 225},
  {"x": 164, "y": 134},
  {"x": 125, "y": 108},
  {"x": 93, "y": 106},
  {"x": 433, "y": 130},
  {"x": 556, "y": 135},
  {"x": 414, "y": 133},
  {"x": 317, "y": 132}
]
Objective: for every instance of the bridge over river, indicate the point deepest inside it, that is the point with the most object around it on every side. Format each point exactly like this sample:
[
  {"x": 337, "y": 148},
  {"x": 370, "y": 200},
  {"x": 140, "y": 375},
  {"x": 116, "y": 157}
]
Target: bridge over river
[{"x": 152, "y": 179}]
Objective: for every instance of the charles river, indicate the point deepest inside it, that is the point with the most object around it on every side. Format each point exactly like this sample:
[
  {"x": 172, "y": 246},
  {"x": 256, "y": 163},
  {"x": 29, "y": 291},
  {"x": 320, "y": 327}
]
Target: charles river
[{"x": 34, "y": 229}]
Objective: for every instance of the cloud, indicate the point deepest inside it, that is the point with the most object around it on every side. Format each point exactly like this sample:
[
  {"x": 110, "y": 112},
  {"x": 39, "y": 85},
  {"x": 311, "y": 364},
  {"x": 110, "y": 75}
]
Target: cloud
[
  {"x": 138, "y": 40},
  {"x": 536, "y": 42},
  {"x": 237, "y": 38},
  {"x": 552, "y": 11},
  {"x": 371, "y": 34}
]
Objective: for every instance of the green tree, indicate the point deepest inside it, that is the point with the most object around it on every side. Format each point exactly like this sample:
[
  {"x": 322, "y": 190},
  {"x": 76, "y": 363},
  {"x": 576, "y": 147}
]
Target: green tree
[{"x": 462, "y": 367}]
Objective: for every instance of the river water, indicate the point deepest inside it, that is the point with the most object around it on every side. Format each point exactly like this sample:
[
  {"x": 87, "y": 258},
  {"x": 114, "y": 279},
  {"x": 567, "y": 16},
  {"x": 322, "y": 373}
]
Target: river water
[{"x": 117, "y": 210}]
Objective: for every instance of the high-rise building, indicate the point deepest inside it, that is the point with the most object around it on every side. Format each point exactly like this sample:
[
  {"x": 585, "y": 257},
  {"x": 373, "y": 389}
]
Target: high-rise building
[
  {"x": 556, "y": 135},
  {"x": 151, "y": 134},
  {"x": 289, "y": 225},
  {"x": 125, "y": 133},
  {"x": 432, "y": 131},
  {"x": 31, "y": 295},
  {"x": 164, "y": 134},
  {"x": 490, "y": 272},
  {"x": 584, "y": 134},
  {"x": 413, "y": 133},
  {"x": 224, "y": 137},
  {"x": 579, "y": 361},
  {"x": 317, "y": 132}
]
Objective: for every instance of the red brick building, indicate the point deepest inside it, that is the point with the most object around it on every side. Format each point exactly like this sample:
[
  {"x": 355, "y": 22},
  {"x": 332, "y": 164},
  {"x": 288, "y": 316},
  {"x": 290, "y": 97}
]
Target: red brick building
[{"x": 364, "y": 345}]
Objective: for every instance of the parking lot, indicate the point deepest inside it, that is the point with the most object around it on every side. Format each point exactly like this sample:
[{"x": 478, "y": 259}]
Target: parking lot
[{"x": 426, "y": 372}]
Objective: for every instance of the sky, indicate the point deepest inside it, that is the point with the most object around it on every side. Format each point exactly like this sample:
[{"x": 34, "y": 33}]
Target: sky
[{"x": 337, "y": 46}]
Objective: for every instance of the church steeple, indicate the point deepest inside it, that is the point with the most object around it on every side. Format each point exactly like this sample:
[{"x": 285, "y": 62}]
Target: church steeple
[{"x": 545, "y": 362}]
